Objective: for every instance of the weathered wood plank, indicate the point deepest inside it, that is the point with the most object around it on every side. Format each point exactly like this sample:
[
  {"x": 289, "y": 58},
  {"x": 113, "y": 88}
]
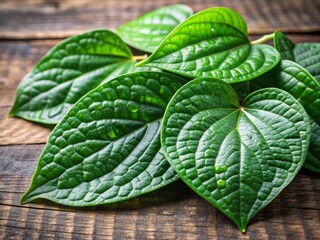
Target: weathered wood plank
[
  {"x": 174, "y": 212},
  {"x": 171, "y": 213},
  {"x": 57, "y": 19},
  {"x": 18, "y": 131},
  {"x": 153, "y": 217},
  {"x": 17, "y": 58}
]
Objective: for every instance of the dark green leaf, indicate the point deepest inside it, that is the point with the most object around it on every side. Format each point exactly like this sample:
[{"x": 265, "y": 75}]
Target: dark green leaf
[
  {"x": 297, "y": 81},
  {"x": 214, "y": 43},
  {"x": 284, "y": 45},
  {"x": 237, "y": 157},
  {"x": 308, "y": 56},
  {"x": 107, "y": 148},
  {"x": 305, "y": 54},
  {"x": 313, "y": 160},
  {"x": 67, "y": 72},
  {"x": 147, "y": 31}
]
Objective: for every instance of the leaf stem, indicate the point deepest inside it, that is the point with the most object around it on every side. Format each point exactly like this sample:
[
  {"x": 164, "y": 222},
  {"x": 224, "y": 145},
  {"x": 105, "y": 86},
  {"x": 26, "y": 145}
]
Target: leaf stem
[
  {"x": 263, "y": 39},
  {"x": 140, "y": 58}
]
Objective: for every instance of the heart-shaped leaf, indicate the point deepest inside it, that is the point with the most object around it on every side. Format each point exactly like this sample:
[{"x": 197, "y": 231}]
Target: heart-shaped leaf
[
  {"x": 237, "y": 157},
  {"x": 305, "y": 54},
  {"x": 147, "y": 31},
  {"x": 67, "y": 72},
  {"x": 297, "y": 81},
  {"x": 214, "y": 43},
  {"x": 107, "y": 148}
]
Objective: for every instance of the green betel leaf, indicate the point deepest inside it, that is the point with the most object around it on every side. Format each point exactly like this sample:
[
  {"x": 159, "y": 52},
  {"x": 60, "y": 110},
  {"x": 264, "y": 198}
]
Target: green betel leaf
[
  {"x": 284, "y": 45},
  {"x": 313, "y": 159},
  {"x": 147, "y": 31},
  {"x": 213, "y": 43},
  {"x": 67, "y": 72},
  {"x": 308, "y": 56},
  {"x": 237, "y": 157},
  {"x": 305, "y": 54},
  {"x": 297, "y": 81},
  {"x": 107, "y": 147}
]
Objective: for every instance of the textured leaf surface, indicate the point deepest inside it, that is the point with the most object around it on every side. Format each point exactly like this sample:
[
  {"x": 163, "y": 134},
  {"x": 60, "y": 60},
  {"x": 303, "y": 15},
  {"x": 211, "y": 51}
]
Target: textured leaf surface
[
  {"x": 308, "y": 56},
  {"x": 305, "y": 54},
  {"x": 300, "y": 84},
  {"x": 313, "y": 160},
  {"x": 67, "y": 72},
  {"x": 213, "y": 43},
  {"x": 147, "y": 31},
  {"x": 107, "y": 148},
  {"x": 295, "y": 80},
  {"x": 284, "y": 45},
  {"x": 239, "y": 158}
]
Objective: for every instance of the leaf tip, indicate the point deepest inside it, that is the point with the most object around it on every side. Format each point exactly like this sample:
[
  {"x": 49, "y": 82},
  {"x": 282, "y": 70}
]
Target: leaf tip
[
  {"x": 242, "y": 226},
  {"x": 24, "y": 199},
  {"x": 27, "y": 197},
  {"x": 243, "y": 229},
  {"x": 14, "y": 111},
  {"x": 11, "y": 113}
]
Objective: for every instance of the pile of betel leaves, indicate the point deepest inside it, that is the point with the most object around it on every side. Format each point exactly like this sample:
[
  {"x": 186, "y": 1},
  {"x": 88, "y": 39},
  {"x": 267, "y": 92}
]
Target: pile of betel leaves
[{"x": 235, "y": 120}]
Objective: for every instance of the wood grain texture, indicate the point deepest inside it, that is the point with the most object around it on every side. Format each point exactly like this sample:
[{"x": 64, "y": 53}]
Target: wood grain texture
[
  {"x": 17, "y": 58},
  {"x": 174, "y": 212},
  {"x": 61, "y": 18}
]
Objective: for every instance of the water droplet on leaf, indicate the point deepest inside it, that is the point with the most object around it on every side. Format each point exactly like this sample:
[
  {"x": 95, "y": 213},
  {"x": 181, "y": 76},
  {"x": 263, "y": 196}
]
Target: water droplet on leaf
[
  {"x": 111, "y": 133},
  {"x": 220, "y": 169},
  {"x": 262, "y": 197},
  {"x": 221, "y": 183}
]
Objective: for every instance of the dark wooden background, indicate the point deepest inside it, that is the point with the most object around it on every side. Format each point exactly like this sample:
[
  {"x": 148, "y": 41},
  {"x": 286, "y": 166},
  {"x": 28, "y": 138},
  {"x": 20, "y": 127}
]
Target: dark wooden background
[{"x": 28, "y": 29}]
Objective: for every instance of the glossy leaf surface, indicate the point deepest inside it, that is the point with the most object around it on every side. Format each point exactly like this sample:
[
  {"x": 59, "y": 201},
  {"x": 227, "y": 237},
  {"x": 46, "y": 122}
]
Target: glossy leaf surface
[
  {"x": 214, "y": 43},
  {"x": 295, "y": 80},
  {"x": 67, "y": 72},
  {"x": 238, "y": 158},
  {"x": 107, "y": 148},
  {"x": 305, "y": 54},
  {"x": 284, "y": 45},
  {"x": 147, "y": 31}
]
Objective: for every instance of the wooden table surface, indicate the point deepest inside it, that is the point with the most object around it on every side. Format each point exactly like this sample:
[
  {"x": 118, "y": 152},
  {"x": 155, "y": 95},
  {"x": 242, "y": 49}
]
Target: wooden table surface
[{"x": 28, "y": 29}]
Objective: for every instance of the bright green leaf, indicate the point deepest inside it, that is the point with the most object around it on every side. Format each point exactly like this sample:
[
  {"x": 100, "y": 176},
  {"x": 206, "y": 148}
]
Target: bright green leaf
[
  {"x": 147, "y": 31},
  {"x": 67, "y": 72},
  {"x": 107, "y": 148},
  {"x": 213, "y": 43},
  {"x": 297, "y": 81},
  {"x": 305, "y": 54},
  {"x": 237, "y": 157}
]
